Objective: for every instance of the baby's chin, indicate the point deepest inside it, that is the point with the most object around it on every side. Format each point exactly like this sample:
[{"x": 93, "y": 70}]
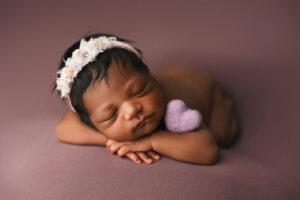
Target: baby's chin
[{"x": 146, "y": 130}]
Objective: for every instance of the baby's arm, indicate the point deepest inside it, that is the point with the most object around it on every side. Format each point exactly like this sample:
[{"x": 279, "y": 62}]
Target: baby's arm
[
  {"x": 195, "y": 147},
  {"x": 71, "y": 129}
]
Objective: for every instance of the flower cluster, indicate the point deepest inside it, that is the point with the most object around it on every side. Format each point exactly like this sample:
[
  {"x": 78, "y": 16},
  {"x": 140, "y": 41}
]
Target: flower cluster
[{"x": 86, "y": 53}]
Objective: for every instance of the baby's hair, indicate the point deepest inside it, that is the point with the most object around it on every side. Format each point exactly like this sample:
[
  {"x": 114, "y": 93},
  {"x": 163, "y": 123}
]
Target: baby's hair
[{"x": 97, "y": 70}]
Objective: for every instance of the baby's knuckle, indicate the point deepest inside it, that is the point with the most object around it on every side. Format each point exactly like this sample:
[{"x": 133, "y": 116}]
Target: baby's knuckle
[
  {"x": 125, "y": 148},
  {"x": 121, "y": 152},
  {"x": 112, "y": 148},
  {"x": 109, "y": 142}
]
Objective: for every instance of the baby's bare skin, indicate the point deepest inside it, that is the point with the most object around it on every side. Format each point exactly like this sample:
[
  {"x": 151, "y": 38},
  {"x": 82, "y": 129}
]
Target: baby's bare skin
[
  {"x": 200, "y": 91},
  {"x": 195, "y": 88}
]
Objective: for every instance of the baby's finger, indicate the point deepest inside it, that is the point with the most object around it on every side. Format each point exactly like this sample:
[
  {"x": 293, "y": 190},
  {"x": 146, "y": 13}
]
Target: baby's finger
[
  {"x": 153, "y": 155},
  {"x": 109, "y": 142},
  {"x": 133, "y": 157},
  {"x": 115, "y": 147},
  {"x": 123, "y": 150},
  {"x": 145, "y": 157}
]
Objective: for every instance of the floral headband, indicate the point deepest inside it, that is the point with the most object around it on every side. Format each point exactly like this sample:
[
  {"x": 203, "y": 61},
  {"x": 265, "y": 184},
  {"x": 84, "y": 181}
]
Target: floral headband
[{"x": 86, "y": 53}]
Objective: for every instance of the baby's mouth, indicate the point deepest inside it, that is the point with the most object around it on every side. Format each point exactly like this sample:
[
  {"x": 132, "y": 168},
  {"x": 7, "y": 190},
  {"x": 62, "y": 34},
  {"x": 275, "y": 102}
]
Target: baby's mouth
[{"x": 145, "y": 120}]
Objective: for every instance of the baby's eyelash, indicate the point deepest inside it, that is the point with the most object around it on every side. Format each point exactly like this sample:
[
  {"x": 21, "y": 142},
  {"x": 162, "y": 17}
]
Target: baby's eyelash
[
  {"x": 113, "y": 116},
  {"x": 144, "y": 87}
]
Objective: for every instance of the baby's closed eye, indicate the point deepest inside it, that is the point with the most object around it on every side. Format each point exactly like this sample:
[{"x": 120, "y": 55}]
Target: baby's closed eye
[
  {"x": 141, "y": 90},
  {"x": 112, "y": 116}
]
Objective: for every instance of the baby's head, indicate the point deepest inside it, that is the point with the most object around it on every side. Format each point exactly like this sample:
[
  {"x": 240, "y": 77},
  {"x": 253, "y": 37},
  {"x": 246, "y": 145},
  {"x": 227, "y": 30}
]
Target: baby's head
[{"x": 115, "y": 92}]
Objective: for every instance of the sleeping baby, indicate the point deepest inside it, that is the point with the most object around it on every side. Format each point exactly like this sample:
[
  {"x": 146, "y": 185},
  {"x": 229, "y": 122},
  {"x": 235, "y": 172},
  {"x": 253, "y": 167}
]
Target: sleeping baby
[{"x": 115, "y": 101}]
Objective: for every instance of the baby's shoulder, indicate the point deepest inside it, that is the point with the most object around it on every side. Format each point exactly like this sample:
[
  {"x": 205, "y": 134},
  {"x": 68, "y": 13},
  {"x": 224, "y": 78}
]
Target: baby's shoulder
[
  {"x": 183, "y": 75},
  {"x": 182, "y": 81},
  {"x": 176, "y": 71}
]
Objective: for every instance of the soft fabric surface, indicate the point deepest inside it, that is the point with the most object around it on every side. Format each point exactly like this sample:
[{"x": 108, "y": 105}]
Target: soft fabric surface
[{"x": 251, "y": 48}]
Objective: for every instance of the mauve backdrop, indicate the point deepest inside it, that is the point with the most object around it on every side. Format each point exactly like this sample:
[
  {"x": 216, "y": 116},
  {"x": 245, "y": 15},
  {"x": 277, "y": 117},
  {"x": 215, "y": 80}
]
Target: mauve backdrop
[{"x": 250, "y": 47}]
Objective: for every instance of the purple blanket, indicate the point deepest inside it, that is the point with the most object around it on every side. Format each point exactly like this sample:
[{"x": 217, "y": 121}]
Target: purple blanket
[{"x": 251, "y": 49}]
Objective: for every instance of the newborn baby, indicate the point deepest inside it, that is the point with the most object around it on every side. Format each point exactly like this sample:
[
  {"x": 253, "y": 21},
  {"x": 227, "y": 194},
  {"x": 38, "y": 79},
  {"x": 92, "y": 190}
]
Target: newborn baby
[{"x": 123, "y": 106}]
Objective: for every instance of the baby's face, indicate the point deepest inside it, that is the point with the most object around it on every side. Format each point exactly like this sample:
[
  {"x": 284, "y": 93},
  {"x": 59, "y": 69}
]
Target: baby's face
[{"x": 118, "y": 109}]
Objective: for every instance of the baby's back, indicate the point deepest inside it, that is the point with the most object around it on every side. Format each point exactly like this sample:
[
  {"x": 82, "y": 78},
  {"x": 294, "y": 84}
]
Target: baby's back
[{"x": 192, "y": 86}]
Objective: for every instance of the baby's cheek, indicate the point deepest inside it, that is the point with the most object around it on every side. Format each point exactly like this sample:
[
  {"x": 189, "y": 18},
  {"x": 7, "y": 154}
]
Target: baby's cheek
[
  {"x": 119, "y": 132},
  {"x": 158, "y": 102}
]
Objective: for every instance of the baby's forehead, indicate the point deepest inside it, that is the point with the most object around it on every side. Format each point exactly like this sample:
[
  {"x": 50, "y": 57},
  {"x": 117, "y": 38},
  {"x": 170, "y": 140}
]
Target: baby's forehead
[
  {"x": 120, "y": 72},
  {"x": 117, "y": 77}
]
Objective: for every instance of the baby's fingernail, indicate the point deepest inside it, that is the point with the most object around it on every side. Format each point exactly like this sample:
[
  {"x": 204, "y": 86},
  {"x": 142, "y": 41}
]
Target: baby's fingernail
[{"x": 139, "y": 161}]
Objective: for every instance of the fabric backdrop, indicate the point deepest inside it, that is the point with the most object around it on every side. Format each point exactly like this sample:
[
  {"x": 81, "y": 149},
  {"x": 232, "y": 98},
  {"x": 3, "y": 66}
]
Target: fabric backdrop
[{"x": 250, "y": 47}]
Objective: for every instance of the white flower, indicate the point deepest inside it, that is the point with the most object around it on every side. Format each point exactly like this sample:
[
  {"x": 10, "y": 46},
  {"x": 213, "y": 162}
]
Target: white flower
[
  {"x": 59, "y": 83},
  {"x": 97, "y": 43},
  {"x": 63, "y": 87},
  {"x": 88, "y": 51},
  {"x": 77, "y": 68},
  {"x": 73, "y": 62}
]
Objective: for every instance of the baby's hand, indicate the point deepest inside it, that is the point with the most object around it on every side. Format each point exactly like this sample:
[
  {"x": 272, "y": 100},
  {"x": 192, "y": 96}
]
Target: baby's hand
[{"x": 135, "y": 150}]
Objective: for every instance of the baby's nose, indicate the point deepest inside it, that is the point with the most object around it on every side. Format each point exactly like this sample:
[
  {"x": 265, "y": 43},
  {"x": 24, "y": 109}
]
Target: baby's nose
[{"x": 131, "y": 109}]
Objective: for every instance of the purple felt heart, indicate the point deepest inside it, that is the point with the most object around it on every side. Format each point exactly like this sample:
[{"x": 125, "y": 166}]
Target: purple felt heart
[{"x": 179, "y": 118}]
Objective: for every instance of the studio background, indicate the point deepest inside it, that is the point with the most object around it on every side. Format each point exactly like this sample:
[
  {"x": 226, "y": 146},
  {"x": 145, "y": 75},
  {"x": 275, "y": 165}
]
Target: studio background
[{"x": 250, "y": 47}]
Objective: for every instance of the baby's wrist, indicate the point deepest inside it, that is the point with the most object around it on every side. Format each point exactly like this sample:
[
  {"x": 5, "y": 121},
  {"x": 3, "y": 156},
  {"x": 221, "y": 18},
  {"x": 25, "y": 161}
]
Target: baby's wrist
[
  {"x": 153, "y": 138},
  {"x": 151, "y": 144}
]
